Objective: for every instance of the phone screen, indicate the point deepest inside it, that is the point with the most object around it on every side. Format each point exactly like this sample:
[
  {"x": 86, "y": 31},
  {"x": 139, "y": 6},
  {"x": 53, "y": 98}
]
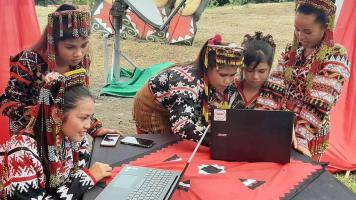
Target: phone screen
[
  {"x": 110, "y": 140},
  {"x": 137, "y": 141}
]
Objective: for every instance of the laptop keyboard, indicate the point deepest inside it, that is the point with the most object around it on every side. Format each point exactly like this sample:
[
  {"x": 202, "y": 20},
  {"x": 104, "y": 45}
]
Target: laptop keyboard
[{"x": 152, "y": 186}]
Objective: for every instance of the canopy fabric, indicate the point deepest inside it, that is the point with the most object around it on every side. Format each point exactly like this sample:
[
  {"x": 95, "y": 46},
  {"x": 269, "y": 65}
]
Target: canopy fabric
[
  {"x": 215, "y": 179},
  {"x": 180, "y": 30},
  {"x": 19, "y": 29},
  {"x": 341, "y": 152},
  {"x": 136, "y": 80}
]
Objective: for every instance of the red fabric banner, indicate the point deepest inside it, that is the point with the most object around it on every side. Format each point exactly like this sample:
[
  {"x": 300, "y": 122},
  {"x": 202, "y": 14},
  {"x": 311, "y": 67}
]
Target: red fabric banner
[
  {"x": 341, "y": 153},
  {"x": 215, "y": 179},
  {"x": 18, "y": 30}
]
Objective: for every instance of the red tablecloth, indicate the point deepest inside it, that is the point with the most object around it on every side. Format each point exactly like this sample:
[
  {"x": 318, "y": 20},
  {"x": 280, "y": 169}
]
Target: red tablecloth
[{"x": 227, "y": 180}]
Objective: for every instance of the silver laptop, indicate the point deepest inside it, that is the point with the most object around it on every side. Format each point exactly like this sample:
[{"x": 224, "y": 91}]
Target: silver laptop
[{"x": 134, "y": 182}]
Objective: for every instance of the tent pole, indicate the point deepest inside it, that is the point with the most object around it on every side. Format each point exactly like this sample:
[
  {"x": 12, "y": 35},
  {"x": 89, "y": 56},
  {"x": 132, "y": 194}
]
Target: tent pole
[
  {"x": 117, "y": 11},
  {"x": 347, "y": 174}
]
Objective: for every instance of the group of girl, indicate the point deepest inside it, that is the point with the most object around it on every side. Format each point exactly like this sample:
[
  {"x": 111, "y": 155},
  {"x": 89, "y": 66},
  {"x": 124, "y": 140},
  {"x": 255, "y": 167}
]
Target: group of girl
[
  {"x": 307, "y": 81},
  {"x": 51, "y": 109}
]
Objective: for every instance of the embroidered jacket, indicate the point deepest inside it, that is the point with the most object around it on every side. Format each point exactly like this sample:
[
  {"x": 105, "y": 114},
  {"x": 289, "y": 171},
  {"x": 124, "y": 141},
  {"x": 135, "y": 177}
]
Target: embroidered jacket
[
  {"x": 179, "y": 90},
  {"x": 309, "y": 94},
  {"x": 23, "y": 177},
  {"x": 238, "y": 99},
  {"x": 27, "y": 70}
]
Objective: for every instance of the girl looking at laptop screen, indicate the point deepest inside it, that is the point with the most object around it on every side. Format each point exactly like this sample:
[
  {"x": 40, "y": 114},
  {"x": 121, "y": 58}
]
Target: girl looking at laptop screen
[
  {"x": 258, "y": 58},
  {"x": 309, "y": 76},
  {"x": 179, "y": 99},
  {"x": 46, "y": 160}
]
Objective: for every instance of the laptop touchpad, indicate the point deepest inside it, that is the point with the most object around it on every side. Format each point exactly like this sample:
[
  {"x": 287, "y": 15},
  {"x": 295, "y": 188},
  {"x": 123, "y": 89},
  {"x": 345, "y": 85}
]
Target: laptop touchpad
[{"x": 126, "y": 181}]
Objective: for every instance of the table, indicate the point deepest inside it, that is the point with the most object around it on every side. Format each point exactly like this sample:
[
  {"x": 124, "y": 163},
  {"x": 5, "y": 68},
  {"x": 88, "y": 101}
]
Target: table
[{"x": 323, "y": 187}]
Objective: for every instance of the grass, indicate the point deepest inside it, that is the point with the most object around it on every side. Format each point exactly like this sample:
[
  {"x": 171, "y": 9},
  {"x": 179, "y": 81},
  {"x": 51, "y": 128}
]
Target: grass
[
  {"x": 350, "y": 182},
  {"x": 230, "y": 21}
]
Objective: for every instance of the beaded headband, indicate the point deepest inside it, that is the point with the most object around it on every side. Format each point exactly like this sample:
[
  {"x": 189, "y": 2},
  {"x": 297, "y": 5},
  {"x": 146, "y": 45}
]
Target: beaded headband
[
  {"x": 327, "y": 6},
  {"x": 74, "y": 21},
  {"x": 225, "y": 55}
]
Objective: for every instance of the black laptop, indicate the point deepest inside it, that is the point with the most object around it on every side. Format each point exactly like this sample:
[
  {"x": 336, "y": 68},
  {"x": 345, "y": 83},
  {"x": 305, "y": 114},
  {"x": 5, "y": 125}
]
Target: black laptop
[
  {"x": 251, "y": 135},
  {"x": 143, "y": 183}
]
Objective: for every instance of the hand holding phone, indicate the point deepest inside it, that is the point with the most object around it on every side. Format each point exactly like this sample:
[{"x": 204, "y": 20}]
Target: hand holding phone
[
  {"x": 137, "y": 141},
  {"x": 110, "y": 140}
]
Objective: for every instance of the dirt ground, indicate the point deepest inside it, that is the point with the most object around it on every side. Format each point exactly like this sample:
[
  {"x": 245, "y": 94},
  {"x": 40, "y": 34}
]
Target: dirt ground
[
  {"x": 115, "y": 112},
  {"x": 231, "y": 22}
]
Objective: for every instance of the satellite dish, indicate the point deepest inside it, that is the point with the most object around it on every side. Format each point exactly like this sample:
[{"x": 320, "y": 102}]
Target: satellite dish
[{"x": 146, "y": 10}]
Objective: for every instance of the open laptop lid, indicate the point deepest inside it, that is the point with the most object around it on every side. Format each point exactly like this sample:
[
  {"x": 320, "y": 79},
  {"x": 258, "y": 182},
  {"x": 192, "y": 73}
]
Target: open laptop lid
[
  {"x": 189, "y": 161},
  {"x": 251, "y": 135},
  {"x": 194, "y": 152}
]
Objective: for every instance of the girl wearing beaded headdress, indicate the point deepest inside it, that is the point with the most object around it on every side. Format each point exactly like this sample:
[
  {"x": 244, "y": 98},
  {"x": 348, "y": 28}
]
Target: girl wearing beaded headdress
[
  {"x": 42, "y": 161},
  {"x": 179, "y": 99},
  {"x": 258, "y": 58},
  {"x": 63, "y": 47},
  {"x": 309, "y": 77}
]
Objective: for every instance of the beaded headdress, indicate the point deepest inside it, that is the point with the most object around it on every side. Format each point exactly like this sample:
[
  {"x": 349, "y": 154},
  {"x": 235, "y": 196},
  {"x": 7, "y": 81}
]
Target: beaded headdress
[
  {"x": 69, "y": 23},
  {"x": 328, "y": 6},
  {"x": 224, "y": 55},
  {"x": 46, "y": 124}
]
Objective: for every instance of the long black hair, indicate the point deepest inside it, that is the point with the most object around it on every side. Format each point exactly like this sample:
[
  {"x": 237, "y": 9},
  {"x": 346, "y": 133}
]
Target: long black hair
[{"x": 73, "y": 96}]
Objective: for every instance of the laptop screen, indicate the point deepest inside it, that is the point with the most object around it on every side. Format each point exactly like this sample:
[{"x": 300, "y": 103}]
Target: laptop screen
[{"x": 252, "y": 135}]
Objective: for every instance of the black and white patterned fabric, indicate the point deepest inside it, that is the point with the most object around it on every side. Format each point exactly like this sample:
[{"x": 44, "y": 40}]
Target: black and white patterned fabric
[
  {"x": 25, "y": 178},
  {"x": 179, "y": 89}
]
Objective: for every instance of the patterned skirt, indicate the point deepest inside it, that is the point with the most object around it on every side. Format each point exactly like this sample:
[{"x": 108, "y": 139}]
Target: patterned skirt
[{"x": 150, "y": 116}]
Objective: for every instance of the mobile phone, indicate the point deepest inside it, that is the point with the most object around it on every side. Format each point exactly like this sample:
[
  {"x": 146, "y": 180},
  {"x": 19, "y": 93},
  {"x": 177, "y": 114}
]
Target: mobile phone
[
  {"x": 110, "y": 140},
  {"x": 137, "y": 141}
]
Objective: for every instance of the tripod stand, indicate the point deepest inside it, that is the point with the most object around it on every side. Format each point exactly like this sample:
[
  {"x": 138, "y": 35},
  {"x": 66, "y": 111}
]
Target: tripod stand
[
  {"x": 117, "y": 11},
  {"x": 148, "y": 12}
]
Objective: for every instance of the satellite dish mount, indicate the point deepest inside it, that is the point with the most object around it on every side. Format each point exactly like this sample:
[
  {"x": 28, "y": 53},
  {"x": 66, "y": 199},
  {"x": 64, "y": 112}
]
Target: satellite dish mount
[{"x": 148, "y": 12}]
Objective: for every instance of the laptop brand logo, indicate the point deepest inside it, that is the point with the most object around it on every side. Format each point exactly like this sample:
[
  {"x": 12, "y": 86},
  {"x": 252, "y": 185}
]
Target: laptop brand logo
[
  {"x": 220, "y": 115},
  {"x": 222, "y": 134}
]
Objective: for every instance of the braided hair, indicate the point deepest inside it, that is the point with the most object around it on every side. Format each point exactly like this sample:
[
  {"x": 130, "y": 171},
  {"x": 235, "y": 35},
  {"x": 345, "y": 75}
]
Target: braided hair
[{"x": 258, "y": 48}]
